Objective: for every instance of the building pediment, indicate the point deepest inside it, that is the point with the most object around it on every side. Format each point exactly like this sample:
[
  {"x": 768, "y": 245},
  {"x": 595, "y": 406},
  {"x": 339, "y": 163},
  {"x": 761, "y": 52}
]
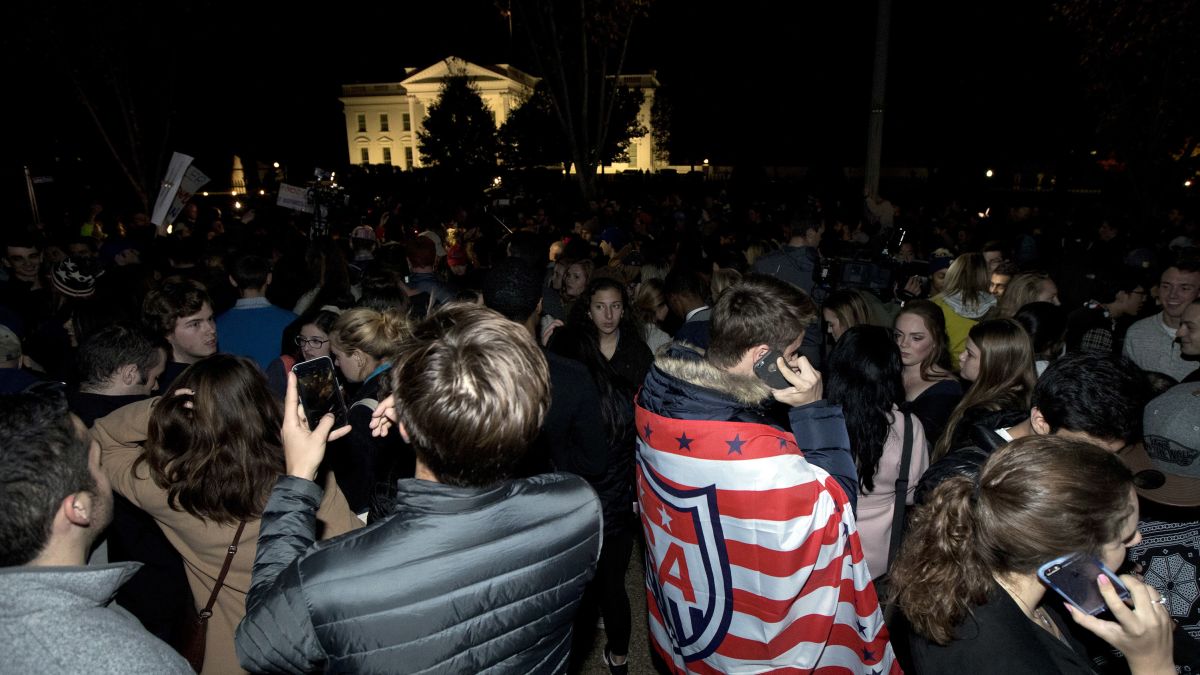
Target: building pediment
[{"x": 432, "y": 77}]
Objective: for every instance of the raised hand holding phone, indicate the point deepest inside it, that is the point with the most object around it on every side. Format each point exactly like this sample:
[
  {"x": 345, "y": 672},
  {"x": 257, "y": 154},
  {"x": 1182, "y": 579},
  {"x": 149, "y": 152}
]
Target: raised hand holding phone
[{"x": 304, "y": 446}]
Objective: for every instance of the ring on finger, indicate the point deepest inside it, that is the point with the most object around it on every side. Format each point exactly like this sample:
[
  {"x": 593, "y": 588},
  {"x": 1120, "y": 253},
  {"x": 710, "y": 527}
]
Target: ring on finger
[{"x": 1162, "y": 600}]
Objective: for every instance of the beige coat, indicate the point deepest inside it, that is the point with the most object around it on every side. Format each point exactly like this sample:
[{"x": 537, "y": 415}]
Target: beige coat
[{"x": 203, "y": 545}]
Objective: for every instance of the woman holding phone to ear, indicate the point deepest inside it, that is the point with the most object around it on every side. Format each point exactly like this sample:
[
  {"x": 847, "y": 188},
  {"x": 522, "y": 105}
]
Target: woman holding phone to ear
[{"x": 967, "y": 580}]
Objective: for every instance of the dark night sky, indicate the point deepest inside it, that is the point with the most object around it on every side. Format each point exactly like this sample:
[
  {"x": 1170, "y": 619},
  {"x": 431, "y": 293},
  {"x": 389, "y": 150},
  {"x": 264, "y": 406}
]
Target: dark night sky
[{"x": 753, "y": 82}]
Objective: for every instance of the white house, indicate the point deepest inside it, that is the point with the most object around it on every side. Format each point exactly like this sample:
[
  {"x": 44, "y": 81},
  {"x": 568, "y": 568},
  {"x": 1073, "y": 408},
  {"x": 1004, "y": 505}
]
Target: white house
[{"x": 382, "y": 119}]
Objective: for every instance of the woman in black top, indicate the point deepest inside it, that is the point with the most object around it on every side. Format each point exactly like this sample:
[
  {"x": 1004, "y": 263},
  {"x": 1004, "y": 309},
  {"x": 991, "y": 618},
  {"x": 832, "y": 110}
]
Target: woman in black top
[
  {"x": 930, "y": 387},
  {"x": 604, "y": 338},
  {"x": 967, "y": 579}
]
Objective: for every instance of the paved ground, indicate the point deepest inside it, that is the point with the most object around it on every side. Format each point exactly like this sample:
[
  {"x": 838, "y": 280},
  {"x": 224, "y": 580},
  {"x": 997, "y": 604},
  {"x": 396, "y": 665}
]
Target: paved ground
[{"x": 639, "y": 645}]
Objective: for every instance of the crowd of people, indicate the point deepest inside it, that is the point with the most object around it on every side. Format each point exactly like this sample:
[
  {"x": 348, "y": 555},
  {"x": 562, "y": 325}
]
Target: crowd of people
[{"x": 848, "y": 441}]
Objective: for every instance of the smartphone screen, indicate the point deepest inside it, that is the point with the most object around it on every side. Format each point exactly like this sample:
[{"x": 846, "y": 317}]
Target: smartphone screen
[
  {"x": 1074, "y": 578},
  {"x": 319, "y": 392},
  {"x": 767, "y": 370}
]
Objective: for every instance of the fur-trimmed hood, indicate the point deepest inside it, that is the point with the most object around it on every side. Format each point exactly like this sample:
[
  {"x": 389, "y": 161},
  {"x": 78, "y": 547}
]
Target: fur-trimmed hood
[
  {"x": 683, "y": 385},
  {"x": 699, "y": 372}
]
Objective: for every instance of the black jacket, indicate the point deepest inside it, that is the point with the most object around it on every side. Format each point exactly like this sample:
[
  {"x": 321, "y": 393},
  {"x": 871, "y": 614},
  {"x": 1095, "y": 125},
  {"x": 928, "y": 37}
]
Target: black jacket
[
  {"x": 572, "y": 434},
  {"x": 367, "y": 467},
  {"x": 975, "y": 440},
  {"x": 998, "y": 638},
  {"x": 457, "y": 580}
]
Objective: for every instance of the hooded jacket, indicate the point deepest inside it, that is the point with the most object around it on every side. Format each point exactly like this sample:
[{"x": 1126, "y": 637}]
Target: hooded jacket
[
  {"x": 753, "y": 556},
  {"x": 960, "y": 318}
]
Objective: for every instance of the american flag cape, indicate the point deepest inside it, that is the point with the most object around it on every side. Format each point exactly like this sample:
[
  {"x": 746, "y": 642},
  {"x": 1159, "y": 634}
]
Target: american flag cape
[{"x": 753, "y": 562}]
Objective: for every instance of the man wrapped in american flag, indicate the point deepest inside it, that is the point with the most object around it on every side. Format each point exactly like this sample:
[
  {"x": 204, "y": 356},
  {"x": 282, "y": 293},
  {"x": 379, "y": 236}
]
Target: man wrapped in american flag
[{"x": 753, "y": 562}]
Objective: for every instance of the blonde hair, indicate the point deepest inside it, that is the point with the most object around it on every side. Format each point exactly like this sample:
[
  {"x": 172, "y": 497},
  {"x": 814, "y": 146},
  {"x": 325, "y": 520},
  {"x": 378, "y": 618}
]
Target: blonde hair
[
  {"x": 1022, "y": 290},
  {"x": 648, "y": 298},
  {"x": 723, "y": 278},
  {"x": 375, "y": 333},
  {"x": 968, "y": 276}
]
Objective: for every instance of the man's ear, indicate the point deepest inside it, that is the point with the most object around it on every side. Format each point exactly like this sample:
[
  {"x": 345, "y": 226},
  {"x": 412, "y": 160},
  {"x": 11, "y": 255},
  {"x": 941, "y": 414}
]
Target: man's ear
[
  {"x": 128, "y": 374},
  {"x": 78, "y": 508},
  {"x": 1038, "y": 421},
  {"x": 231, "y": 281},
  {"x": 403, "y": 431},
  {"x": 538, "y": 310},
  {"x": 268, "y": 279},
  {"x": 759, "y": 351}
]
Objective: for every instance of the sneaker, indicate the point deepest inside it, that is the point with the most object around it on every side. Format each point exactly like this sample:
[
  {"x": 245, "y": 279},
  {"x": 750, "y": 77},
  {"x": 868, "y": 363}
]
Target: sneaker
[{"x": 613, "y": 668}]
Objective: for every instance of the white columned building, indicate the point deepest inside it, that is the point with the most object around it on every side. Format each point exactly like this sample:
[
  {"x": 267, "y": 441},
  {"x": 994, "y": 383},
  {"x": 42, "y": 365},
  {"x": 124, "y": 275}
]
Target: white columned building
[{"x": 382, "y": 119}]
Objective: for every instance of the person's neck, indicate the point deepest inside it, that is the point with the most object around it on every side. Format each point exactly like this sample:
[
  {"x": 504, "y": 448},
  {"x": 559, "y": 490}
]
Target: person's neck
[
  {"x": 797, "y": 242},
  {"x": 1111, "y": 308},
  {"x": 608, "y": 343},
  {"x": 248, "y": 293},
  {"x": 108, "y": 388},
  {"x": 1021, "y": 430},
  {"x": 60, "y": 554},
  {"x": 183, "y": 358},
  {"x": 1170, "y": 321},
  {"x": 422, "y": 472},
  {"x": 1024, "y": 589},
  {"x": 34, "y": 284}
]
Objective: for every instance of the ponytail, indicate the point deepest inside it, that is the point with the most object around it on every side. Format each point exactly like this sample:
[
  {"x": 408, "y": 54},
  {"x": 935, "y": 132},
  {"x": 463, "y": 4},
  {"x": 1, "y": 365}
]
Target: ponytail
[{"x": 940, "y": 572}]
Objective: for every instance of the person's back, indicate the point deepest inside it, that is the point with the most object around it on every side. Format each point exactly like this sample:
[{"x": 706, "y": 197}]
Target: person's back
[
  {"x": 57, "y": 620},
  {"x": 752, "y": 548},
  {"x": 253, "y": 327},
  {"x": 514, "y": 551}
]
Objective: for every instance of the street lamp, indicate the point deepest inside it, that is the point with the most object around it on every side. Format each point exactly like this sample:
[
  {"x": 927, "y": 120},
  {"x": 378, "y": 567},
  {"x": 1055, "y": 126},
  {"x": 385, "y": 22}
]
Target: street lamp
[{"x": 989, "y": 173}]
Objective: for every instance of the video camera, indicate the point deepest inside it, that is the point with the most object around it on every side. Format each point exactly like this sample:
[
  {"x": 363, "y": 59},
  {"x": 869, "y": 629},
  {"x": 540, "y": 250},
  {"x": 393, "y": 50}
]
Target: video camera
[{"x": 326, "y": 198}]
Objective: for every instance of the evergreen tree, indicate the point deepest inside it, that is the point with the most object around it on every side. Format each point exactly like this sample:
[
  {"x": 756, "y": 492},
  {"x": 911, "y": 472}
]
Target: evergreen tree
[{"x": 459, "y": 133}]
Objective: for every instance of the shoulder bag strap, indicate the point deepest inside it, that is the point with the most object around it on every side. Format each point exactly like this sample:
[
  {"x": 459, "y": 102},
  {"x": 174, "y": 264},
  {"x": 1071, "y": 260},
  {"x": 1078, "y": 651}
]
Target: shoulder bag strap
[
  {"x": 212, "y": 599},
  {"x": 901, "y": 490}
]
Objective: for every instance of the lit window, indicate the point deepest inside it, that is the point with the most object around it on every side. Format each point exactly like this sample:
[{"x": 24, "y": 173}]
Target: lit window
[
  {"x": 387, "y": 154},
  {"x": 383, "y": 122},
  {"x": 406, "y": 120},
  {"x": 362, "y": 122},
  {"x": 365, "y": 153},
  {"x": 408, "y": 158}
]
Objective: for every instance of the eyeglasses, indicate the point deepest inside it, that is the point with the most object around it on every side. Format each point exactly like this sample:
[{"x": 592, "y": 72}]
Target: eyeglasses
[{"x": 311, "y": 343}]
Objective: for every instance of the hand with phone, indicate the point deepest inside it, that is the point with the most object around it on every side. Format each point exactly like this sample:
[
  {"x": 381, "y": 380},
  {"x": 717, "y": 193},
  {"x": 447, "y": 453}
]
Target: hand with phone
[
  {"x": 1143, "y": 631},
  {"x": 304, "y": 444},
  {"x": 793, "y": 387}
]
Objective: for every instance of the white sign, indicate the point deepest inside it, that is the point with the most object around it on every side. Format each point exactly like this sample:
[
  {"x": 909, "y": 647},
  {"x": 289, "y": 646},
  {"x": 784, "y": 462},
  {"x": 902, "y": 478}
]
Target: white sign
[
  {"x": 294, "y": 198},
  {"x": 178, "y": 186}
]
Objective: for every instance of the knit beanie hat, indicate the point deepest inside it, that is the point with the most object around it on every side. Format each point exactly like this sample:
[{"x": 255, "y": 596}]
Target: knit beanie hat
[{"x": 75, "y": 278}]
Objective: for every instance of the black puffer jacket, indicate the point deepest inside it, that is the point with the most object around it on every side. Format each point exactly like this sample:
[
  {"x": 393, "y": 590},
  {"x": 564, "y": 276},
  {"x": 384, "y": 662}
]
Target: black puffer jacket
[
  {"x": 457, "y": 580},
  {"x": 975, "y": 440}
]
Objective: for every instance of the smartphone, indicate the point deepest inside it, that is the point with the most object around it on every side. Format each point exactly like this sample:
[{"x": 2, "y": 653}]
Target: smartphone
[
  {"x": 319, "y": 391},
  {"x": 767, "y": 370},
  {"x": 1074, "y": 578}
]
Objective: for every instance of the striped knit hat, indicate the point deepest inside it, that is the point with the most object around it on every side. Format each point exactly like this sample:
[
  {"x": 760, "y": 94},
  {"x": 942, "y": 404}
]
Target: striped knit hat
[{"x": 75, "y": 278}]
